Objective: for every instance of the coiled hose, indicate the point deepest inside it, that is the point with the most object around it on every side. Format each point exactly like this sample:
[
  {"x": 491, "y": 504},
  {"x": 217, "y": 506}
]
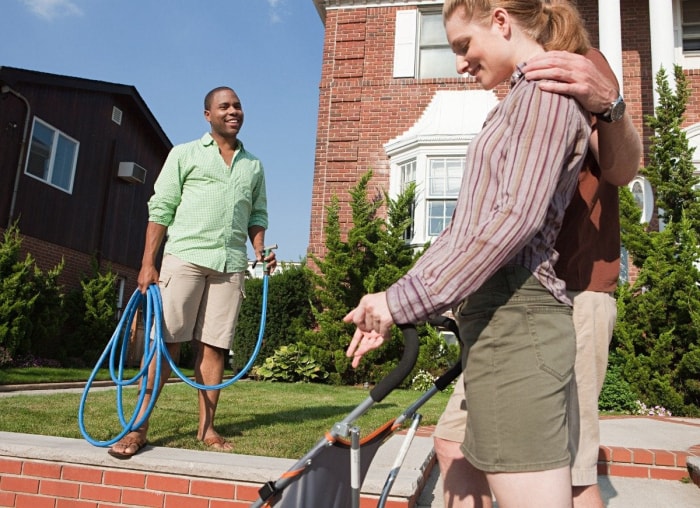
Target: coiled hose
[{"x": 116, "y": 349}]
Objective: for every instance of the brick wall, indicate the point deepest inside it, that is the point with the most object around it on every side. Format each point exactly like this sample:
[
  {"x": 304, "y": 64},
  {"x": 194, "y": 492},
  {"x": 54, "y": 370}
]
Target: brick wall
[
  {"x": 77, "y": 264},
  {"x": 361, "y": 106},
  {"x": 40, "y": 484},
  {"x": 50, "y": 472}
]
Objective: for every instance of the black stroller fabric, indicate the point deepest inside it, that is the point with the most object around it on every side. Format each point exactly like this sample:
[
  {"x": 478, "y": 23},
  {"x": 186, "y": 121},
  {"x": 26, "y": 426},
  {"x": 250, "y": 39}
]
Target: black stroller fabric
[{"x": 324, "y": 483}]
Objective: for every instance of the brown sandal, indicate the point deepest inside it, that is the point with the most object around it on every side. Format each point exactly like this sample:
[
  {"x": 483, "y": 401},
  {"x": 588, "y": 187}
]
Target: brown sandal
[
  {"x": 131, "y": 440},
  {"x": 217, "y": 443}
]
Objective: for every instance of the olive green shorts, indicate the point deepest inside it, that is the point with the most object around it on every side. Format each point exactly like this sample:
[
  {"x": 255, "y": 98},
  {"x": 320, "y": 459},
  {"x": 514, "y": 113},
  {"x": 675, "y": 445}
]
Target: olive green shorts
[{"x": 518, "y": 358}]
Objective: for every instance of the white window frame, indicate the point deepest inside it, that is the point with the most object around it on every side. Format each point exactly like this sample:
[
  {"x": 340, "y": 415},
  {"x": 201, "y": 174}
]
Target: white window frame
[
  {"x": 445, "y": 128},
  {"x": 407, "y": 176},
  {"x": 407, "y": 45},
  {"x": 686, "y": 59},
  {"x": 57, "y": 135},
  {"x": 421, "y": 154},
  {"x": 447, "y": 199},
  {"x": 693, "y": 136},
  {"x": 448, "y": 67}
]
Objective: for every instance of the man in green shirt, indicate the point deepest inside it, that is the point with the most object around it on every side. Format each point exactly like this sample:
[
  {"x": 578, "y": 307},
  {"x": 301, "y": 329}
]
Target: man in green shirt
[{"x": 209, "y": 196}]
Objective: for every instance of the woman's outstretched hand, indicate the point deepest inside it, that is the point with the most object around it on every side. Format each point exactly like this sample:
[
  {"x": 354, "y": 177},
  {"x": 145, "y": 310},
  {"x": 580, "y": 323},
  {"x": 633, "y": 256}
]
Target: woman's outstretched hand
[{"x": 373, "y": 321}]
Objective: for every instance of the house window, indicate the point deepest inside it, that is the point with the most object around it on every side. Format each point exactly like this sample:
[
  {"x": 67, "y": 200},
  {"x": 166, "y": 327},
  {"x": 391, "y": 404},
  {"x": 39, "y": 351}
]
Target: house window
[
  {"x": 432, "y": 152},
  {"x": 435, "y": 57},
  {"x": 420, "y": 46},
  {"x": 444, "y": 179},
  {"x": 52, "y": 156},
  {"x": 408, "y": 176},
  {"x": 690, "y": 25}
]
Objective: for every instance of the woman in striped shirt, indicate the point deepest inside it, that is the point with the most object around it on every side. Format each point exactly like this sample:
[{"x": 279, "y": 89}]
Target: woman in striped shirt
[{"x": 494, "y": 262}]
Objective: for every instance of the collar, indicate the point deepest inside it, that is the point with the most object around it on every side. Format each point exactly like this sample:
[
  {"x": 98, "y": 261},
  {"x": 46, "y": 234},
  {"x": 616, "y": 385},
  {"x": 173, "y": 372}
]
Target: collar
[
  {"x": 208, "y": 140},
  {"x": 517, "y": 75}
]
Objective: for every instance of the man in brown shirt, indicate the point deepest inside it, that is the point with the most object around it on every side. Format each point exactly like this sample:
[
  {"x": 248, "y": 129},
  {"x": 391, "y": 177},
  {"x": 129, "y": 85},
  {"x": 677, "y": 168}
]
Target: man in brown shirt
[{"x": 589, "y": 263}]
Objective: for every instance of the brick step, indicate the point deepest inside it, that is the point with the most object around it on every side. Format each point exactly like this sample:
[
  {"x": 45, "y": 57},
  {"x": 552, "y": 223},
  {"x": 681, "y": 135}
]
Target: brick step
[
  {"x": 645, "y": 463},
  {"x": 634, "y": 462}
]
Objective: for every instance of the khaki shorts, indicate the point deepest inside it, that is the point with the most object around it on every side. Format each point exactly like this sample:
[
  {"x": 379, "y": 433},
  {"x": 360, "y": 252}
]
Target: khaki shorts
[
  {"x": 518, "y": 358},
  {"x": 453, "y": 421},
  {"x": 594, "y": 317},
  {"x": 199, "y": 303}
]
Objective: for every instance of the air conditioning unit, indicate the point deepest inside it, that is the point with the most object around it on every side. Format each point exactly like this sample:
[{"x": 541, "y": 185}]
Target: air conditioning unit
[{"x": 131, "y": 172}]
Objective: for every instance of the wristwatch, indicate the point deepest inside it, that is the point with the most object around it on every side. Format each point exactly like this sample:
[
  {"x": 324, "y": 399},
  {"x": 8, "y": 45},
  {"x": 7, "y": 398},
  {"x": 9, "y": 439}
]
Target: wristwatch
[{"x": 614, "y": 112}]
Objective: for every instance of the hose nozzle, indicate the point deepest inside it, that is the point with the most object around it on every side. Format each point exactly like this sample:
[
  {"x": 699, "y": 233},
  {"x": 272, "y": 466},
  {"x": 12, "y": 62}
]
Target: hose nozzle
[{"x": 266, "y": 252}]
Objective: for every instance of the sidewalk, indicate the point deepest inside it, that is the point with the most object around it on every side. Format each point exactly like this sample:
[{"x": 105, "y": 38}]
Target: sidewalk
[{"x": 642, "y": 461}]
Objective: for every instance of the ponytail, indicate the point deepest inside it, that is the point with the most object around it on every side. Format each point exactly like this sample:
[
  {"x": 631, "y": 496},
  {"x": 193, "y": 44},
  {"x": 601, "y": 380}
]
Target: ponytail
[{"x": 565, "y": 30}]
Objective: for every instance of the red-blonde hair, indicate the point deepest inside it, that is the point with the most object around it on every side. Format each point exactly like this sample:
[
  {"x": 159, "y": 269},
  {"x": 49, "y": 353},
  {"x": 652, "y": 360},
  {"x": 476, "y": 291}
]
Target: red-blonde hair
[{"x": 555, "y": 24}]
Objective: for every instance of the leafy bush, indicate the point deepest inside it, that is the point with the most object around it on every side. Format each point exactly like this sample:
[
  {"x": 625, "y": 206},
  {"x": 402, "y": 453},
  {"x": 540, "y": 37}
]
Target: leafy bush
[
  {"x": 657, "y": 336},
  {"x": 291, "y": 364},
  {"x": 49, "y": 316},
  {"x": 617, "y": 395},
  {"x": 369, "y": 257},
  {"x": 92, "y": 318},
  {"x": 31, "y": 302},
  {"x": 435, "y": 355},
  {"x": 288, "y": 314}
]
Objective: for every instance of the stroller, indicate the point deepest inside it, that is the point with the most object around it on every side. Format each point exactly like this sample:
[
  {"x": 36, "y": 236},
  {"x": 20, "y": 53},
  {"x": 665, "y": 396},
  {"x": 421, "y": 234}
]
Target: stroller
[{"x": 320, "y": 478}]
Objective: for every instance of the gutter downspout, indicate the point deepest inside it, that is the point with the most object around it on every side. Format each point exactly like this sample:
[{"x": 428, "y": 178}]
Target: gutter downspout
[{"x": 7, "y": 89}]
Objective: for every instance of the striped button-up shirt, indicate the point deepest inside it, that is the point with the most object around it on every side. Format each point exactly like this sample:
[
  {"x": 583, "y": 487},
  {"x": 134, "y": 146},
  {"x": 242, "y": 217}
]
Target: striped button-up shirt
[
  {"x": 208, "y": 206},
  {"x": 521, "y": 171}
]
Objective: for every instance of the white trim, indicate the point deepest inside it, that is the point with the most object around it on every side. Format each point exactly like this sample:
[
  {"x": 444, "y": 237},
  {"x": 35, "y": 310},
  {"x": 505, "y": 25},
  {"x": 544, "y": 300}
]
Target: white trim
[
  {"x": 610, "y": 38},
  {"x": 405, "y": 44},
  {"x": 647, "y": 197},
  {"x": 689, "y": 61},
  {"x": 445, "y": 129},
  {"x": 692, "y": 134},
  {"x": 364, "y": 4},
  {"x": 663, "y": 53},
  {"x": 453, "y": 117}
]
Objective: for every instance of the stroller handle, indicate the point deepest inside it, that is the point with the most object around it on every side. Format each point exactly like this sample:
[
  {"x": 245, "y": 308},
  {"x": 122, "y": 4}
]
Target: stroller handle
[{"x": 403, "y": 369}]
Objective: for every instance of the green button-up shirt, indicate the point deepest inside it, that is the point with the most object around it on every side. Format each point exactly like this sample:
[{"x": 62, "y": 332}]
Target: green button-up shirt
[{"x": 208, "y": 206}]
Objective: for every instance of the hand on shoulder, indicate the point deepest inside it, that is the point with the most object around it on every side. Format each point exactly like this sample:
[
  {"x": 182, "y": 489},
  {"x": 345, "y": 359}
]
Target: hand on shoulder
[{"x": 589, "y": 79}]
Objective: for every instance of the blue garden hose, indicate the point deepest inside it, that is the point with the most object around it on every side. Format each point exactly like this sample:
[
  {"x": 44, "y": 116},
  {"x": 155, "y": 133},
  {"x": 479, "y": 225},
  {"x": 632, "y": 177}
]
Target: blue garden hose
[{"x": 153, "y": 311}]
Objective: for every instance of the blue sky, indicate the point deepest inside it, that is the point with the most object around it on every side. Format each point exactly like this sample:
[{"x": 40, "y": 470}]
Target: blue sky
[{"x": 174, "y": 52}]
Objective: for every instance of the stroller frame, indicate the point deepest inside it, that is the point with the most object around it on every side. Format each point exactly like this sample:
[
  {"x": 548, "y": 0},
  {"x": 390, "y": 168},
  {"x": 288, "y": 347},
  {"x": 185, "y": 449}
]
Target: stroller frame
[{"x": 270, "y": 493}]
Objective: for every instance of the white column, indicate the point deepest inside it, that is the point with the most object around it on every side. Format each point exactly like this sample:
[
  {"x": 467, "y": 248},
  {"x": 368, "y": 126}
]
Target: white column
[
  {"x": 662, "y": 44},
  {"x": 610, "y": 35}
]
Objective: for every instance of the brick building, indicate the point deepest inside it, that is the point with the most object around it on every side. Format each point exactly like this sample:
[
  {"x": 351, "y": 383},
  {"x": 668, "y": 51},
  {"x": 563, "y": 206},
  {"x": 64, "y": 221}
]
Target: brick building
[
  {"x": 78, "y": 158},
  {"x": 390, "y": 99}
]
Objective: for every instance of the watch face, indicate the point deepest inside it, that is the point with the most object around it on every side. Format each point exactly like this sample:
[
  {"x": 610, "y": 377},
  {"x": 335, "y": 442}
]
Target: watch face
[{"x": 617, "y": 110}]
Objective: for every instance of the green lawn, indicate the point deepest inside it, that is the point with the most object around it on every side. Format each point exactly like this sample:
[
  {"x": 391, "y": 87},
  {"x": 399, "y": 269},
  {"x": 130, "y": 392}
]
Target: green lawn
[
  {"x": 27, "y": 375},
  {"x": 261, "y": 418}
]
